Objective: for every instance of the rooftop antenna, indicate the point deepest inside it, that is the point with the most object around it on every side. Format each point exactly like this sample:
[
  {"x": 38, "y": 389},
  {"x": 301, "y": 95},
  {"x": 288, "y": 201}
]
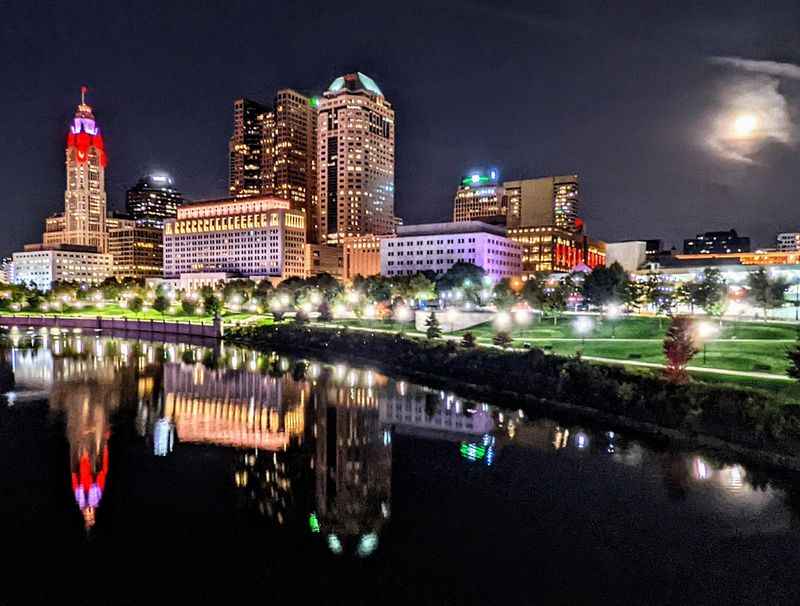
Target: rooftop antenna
[{"x": 84, "y": 88}]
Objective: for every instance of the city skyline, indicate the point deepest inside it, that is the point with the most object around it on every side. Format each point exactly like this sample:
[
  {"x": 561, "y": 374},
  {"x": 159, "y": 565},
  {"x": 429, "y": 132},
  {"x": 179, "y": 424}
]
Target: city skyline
[{"x": 645, "y": 173}]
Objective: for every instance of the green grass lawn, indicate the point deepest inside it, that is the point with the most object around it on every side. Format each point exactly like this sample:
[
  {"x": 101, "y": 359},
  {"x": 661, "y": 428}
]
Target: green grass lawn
[
  {"x": 115, "y": 311},
  {"x": 636, "y": 328}
]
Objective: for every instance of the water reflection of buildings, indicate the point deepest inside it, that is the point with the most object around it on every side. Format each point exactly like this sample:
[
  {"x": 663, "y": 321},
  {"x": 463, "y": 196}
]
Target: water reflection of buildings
[{"x": 86, "y": 390}]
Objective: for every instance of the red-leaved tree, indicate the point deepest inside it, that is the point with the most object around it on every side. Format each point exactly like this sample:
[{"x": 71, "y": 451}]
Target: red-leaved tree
[{"x": 679, "y": 348}]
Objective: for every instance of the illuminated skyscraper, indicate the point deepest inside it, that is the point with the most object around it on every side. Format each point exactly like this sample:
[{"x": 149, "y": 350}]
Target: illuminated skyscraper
[
  {"x": 153, "y": 199},
  {"x": 355, "y": 151},
  {"x": 84, "y": 220},
  {"x": 544, "y": 201},
  {"x": 480, "y": 198},
  {"x": 289, "y": 154},
  {"x": 244, "y": 149}
]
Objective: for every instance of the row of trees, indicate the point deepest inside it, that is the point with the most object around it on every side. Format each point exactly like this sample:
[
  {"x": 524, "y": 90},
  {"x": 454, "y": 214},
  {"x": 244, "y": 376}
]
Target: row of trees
[{"x": 462, "y": 284}]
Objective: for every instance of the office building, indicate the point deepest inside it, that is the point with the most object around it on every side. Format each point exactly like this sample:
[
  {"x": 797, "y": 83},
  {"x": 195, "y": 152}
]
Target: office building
[
  {"x": 480, "y": 198},
  {"x": 789, "y": 241},
  {"x": 84, "y": 220},
  {"x": 544, "y": 201},
  {"x": 355, "y": 166},
  {"x": 323, "y": 259},
  {"x": 712, "y": 242},
  {"x": 552, "y": 249},
  {"x": 43, "y": 264},
  {"x": 137, "y": 250},
  {"x": 437, "y": 247},
  {"x": 260, "y": 236},
  {"x": 362, "y": 256},
  {"x": 244, "y": 148},
  {"x": 152, "y": 200},
  {"x": 289, "y": 154}
]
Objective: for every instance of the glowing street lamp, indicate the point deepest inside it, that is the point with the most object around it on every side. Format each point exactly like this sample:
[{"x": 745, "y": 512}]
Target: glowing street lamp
[
  {"x": 583, "y": 325},
  {"x": 502, "y": 320},
  {"x": 705, "y": 331}
]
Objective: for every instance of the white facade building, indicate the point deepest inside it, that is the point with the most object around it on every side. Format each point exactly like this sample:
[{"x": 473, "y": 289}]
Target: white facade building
[
  {"x": 438, "y": 246},
  {"x": 789, "y": 241},
  {"x": 43, "y": 265},
  {"x": 257, "y": 236}
]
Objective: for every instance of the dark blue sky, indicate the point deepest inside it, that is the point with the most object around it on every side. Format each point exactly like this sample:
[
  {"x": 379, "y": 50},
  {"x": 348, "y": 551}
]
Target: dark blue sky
[{"x": 620, "y": 93}]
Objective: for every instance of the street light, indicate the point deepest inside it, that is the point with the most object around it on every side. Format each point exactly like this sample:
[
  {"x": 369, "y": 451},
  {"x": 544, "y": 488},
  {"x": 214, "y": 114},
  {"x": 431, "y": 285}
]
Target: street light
[
  {"x": 582, "y": 326},
  {"x": 613, "y": 313},
  {"x": 705, "y": 330}
]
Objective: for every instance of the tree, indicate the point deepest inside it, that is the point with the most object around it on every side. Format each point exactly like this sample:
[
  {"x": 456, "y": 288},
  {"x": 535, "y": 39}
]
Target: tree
[
  {"x": 765, "y": 292},
  {"x": 161, "y": 304},
  {"x": 465, "y": 277},
  {"x": 711, "y": 292},
  {"x": 504, "y": 295},
  {"x": 135, "y": 304},
  {"x": 189, "y": 306},
  {"x": 420, "y": 288},
  {"x": 212, "y": 305},
  {"x": 468, "y": 340},
  {"x": 605, "y": 285},
  {"x": 433, "y": 331},
  {"x": 502, "y": 339},
  {"x": 679, "y": 348},
  {"x": 794, "y": 360},
  {"x": 325, "y": 314},
  {"x": 533, "y": 292},
  {"x": 556, "y": 298}
]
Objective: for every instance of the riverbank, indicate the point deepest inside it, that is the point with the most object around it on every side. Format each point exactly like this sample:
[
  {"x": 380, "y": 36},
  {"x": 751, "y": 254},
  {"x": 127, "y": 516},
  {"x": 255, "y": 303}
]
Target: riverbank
[{"x": 728, "y": 419}]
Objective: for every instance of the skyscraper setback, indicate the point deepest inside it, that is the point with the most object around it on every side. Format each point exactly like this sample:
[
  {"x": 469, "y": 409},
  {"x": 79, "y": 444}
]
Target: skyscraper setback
[
  {"x": 273, "y": 152},
  {"x": 355, "y": 151},
  {"x": 84, "y": 218}
]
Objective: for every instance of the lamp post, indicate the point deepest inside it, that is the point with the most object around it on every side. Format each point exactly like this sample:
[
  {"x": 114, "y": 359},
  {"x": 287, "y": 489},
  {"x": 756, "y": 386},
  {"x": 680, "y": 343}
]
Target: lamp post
[
  {"x": 705, "y": 330},
  {"x": 582, "y": 326}
]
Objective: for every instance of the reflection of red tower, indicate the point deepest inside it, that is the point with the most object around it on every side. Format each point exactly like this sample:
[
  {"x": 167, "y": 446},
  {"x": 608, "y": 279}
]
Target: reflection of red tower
[{"x": 89, "y": 483}]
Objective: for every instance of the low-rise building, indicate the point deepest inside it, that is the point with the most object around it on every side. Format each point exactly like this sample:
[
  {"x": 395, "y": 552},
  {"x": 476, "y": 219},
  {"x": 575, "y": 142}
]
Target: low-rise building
[
  {"x": 548, "y": 249},
  {"x": 323, "y": 259},
  {"x": 256, "y": 236},
  {"x": 362, "y": 256},
  {"x": 717, "y": 242},
  {"x": 42, "y": 264},
  {"x": 789, "y": 241},
  {"x": 138, "y": 250},
  {"x": 437, "y": 247}
]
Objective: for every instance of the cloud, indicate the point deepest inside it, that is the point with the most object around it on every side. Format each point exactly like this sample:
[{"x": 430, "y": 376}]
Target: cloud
[
  {"x": 770, "y": 68},
  {"x": 752, "y": 90}
]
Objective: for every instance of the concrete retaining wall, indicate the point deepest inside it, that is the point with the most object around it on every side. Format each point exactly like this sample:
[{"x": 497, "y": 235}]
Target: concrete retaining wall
[{"x": 159, "y": 327}]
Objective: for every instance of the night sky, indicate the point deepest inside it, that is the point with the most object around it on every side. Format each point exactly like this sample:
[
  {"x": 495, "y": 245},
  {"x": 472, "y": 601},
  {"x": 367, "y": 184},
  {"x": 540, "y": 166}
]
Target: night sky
[{"x": 637, "y": 100}]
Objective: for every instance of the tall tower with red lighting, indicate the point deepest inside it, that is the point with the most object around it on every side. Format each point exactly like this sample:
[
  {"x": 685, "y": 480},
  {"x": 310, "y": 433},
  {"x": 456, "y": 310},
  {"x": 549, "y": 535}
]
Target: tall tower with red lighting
[{"x": 84, "y": 221}]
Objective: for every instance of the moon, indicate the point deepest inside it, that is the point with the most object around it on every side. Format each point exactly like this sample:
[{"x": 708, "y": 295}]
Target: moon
[{"x": 745, "y": 126}]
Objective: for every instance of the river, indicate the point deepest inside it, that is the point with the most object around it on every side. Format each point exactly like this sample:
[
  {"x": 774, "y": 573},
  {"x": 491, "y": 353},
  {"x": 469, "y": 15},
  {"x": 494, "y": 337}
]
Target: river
[{"x": 139, "y": 472}]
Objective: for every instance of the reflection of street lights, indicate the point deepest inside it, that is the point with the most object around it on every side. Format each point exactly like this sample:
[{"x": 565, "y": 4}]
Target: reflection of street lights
[
  {"x": 705, "y": 330},
  {"x": 582, "y": 326}
]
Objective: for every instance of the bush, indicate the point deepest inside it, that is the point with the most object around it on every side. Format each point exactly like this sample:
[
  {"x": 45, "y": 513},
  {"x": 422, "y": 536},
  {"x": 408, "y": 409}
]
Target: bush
[
  {"x": 502, "y": 339},
  {"x": 468, "y": 340}
]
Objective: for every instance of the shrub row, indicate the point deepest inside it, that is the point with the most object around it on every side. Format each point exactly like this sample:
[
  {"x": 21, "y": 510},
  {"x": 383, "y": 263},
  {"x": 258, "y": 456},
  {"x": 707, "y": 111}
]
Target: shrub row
[{"x": 733, "y": 413}]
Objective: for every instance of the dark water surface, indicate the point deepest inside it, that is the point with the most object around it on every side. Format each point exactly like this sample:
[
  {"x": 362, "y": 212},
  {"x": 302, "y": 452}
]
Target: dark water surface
[{"x": 143, "y": 473}]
